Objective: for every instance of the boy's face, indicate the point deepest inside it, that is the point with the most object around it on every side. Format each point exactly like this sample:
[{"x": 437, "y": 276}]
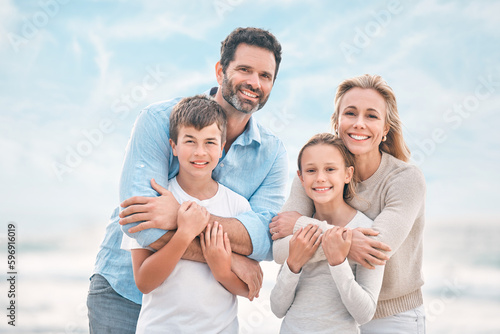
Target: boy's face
[{"x": 198, "y": 151}]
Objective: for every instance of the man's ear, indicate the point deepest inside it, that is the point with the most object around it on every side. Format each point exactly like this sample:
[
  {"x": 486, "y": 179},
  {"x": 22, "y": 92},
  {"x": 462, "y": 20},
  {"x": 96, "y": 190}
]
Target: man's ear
[
  {"x": 219, "y": 73},
  {"x": 174, "y": 151}
]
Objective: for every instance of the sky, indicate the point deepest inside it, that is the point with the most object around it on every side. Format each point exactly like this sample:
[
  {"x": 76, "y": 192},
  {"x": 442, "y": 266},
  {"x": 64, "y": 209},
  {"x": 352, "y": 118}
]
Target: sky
[{"x": 74, "y": 75}]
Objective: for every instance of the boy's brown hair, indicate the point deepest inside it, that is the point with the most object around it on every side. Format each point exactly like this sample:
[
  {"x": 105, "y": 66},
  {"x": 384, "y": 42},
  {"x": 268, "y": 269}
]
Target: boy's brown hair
[{"x": 198, "y": 111}]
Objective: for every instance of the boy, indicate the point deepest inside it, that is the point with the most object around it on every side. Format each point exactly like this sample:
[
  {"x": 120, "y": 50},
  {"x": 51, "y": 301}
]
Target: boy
[{"x": 185, "y": 296}]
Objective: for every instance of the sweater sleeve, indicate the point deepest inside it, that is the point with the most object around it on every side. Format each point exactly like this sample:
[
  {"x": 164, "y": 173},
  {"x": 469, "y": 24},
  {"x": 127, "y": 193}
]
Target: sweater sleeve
[
  {"x": 359, "y": 295},
  {"x": 404, "y": 203},
  {"x": 283, "y": 293}
]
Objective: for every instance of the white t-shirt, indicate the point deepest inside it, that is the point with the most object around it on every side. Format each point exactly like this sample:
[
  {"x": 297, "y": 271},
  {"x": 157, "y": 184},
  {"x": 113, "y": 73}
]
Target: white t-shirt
[{"x": 190, "y": 300}]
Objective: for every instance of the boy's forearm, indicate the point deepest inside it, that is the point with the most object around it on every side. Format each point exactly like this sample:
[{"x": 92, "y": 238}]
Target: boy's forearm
[{"x": 158, "y": 266}]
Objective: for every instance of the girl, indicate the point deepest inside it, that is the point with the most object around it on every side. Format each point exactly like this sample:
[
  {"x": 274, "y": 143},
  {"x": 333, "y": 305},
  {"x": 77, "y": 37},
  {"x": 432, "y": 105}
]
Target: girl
[
  {"x": 366, "y": 118},
  {"x": 324, "y": 297}
]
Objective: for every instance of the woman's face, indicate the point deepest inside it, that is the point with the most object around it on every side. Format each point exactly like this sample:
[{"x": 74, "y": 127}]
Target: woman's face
[{"x": 362, "y": 123}]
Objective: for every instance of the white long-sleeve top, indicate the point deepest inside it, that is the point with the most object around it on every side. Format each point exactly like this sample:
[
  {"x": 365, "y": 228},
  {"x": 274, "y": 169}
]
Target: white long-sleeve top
[{"x": 327, "y": 299}]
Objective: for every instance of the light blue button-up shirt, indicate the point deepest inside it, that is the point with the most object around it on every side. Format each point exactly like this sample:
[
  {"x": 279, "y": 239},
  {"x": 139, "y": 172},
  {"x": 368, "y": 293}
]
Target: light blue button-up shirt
[{"x": 255, "y": 167}]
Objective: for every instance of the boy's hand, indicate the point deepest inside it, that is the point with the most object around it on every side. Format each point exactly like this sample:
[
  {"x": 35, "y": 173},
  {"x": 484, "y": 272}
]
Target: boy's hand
[
  {"x": 216, "y": 249},
  {"x": 336, "y": 244},
  {"x": 303, "y": 245},
  {"x": 191, "y": 219}
]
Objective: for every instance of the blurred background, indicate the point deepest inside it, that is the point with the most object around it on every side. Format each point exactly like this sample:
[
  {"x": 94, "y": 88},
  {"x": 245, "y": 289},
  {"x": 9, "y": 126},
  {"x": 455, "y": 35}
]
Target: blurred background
[{"x": 75, "y": 75}]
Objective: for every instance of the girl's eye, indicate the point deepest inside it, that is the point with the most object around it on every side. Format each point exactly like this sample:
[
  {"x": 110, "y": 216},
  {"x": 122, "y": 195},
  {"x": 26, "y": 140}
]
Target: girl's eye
[
  {"x": 373, "y": 116},
  {"x": 349, "y": 113}
]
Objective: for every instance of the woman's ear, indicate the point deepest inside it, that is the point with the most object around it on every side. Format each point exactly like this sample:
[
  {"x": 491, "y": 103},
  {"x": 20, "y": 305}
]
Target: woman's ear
[
  {"x": 219, "y": 74},
  {"x": 174, "y": 150}
]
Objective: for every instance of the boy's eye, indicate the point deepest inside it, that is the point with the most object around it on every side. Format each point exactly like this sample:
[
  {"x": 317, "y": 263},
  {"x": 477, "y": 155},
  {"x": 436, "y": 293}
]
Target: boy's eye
[{"x": 309, "y": 170}]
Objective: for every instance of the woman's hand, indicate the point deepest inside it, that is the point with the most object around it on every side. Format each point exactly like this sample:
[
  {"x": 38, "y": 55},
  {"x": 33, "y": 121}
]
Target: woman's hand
[
  {"x": 282, "y": 224},
  {"x": 303, "y": 245},
  {"x": 336, "y": 244},
  {"x": 367, "y": 251}
]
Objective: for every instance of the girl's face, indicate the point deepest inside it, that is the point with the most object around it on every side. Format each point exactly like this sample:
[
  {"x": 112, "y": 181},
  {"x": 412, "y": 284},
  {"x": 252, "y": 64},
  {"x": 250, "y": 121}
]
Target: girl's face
[
  {"x": 324, "y": 174},
  {"x": 362, "y": 123}
]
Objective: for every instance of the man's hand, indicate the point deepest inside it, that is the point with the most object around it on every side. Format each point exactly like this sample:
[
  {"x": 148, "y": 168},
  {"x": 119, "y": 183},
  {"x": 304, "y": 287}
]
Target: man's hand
[
  {"x": 249, "y": 271},
  {"x": 282, "y": 224},
  {"x": 303, "y": 245},
  {"x": 153, "y": 212},
  {"x": 367, "y": 251},
  {"x": 336, "y": 244}
]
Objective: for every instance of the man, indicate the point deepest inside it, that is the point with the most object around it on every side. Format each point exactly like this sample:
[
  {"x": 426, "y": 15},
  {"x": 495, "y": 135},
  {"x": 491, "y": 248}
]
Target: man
[{"x": 254, "y": 164}]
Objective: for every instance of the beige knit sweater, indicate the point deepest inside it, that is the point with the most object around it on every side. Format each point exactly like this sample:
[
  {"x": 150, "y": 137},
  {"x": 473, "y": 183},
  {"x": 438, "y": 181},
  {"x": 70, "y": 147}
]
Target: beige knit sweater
[{"x": 394, "y": 197}]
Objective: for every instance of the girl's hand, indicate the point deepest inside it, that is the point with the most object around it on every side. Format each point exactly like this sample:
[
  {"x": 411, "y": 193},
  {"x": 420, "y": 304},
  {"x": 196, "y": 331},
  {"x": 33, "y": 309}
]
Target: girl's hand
[
  {"x": 336, "y": 244},
  {"x": 216, "y": 249},
  {"x": 191, "y": 219},
  {"x": 303, "y": 245}
]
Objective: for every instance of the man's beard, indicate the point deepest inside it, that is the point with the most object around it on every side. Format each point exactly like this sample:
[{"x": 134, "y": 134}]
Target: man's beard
[{"x": 230, "y": 95}]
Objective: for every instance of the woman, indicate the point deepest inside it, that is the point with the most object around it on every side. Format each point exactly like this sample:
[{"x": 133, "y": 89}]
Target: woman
[{"x": 390, "y": 191}]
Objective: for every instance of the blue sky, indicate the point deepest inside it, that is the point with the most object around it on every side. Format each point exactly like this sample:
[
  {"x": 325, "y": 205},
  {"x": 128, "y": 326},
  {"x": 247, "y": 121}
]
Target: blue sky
[{"x": 74, "y": 76}]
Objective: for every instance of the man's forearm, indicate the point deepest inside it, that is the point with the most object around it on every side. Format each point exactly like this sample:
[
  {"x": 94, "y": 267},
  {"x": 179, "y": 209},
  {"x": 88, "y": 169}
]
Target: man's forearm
[
  {"x": 237, "y": 233},
  {"x": 193, "y": 252}
]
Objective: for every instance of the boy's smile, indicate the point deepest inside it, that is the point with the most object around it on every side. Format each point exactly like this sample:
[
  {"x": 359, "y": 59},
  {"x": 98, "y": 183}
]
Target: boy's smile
[{"x": 198, "y": 151}]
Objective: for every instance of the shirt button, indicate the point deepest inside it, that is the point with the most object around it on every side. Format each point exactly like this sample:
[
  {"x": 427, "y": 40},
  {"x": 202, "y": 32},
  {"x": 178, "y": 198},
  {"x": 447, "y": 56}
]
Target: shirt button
[{"x": 222, "y": 164}]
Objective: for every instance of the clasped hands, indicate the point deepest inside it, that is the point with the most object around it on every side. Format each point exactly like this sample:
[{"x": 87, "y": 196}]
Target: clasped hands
[
  {"x": 163, "y": 212},
  {"x": 362, "y": 248}
]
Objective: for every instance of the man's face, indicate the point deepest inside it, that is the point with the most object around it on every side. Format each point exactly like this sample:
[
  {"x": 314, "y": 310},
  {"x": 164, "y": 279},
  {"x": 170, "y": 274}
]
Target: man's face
[{"x": 248, "y": 80}]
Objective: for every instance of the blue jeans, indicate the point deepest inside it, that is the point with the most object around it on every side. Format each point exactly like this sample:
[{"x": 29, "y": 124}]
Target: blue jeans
[
  {"x": 409, "y": 322},
  {"x": 108, "y": 311}
]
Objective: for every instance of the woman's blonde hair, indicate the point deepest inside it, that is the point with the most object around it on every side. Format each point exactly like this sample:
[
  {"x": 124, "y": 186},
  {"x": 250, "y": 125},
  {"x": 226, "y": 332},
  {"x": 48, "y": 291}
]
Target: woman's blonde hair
[
  {"x": 331, "y": 139},
  {"x": 394, "y": 144}
]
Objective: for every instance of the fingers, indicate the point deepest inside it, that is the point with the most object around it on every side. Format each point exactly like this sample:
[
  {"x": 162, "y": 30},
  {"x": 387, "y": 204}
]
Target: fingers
[
  {"x": 202, "y": 243},
  {"x": 215, "y": 231},
  {"x": 135, "y": 218},
  {"x": 141, "y": 227},
  {"x": 208, "y": 233},
  {"x": 227, "y": 243},
  {"x": 380, "y": 245},
  {"x": 134, "y": 200},
  {"x": 159, "y": 189},
  {"x": 348, "y": 234},
  {"x": 367, "y": 231}
]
